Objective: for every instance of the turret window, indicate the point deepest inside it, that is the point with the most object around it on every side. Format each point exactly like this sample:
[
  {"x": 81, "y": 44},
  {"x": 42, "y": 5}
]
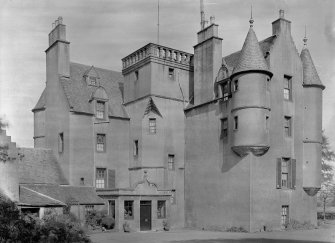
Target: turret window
[
  {"x": 287, "y": 87},
  {"x": 235, "y": 122},
  {"x": 235, "y": 85},
  {"x": 135, "y": 148},
  {"x": 61, "y": 142}
]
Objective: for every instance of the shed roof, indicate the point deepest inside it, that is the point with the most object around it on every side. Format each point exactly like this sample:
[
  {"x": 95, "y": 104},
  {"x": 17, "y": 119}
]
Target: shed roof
[
  {"x": 62, "y": 193},
  {"x": 39, "y": 165}
]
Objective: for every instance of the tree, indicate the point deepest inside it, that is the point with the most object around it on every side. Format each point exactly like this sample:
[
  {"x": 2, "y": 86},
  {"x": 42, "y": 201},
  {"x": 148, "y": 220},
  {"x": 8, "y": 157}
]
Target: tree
[
  {"x": 326, "y": 194},
  {"x": 328, "y": 157}
]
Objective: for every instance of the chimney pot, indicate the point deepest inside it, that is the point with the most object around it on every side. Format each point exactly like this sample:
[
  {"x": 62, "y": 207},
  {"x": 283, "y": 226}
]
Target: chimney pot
[
  {"x": 281, "y": 13},
  {"x": 53, "y": 25},
  {"x": 60, "y": 19},
  {"x": 56, "y": 22}
]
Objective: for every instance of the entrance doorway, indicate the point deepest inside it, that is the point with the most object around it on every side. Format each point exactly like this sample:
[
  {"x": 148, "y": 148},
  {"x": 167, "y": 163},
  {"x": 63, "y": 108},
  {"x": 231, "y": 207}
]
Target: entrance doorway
[{"x": 145, "y": 215}]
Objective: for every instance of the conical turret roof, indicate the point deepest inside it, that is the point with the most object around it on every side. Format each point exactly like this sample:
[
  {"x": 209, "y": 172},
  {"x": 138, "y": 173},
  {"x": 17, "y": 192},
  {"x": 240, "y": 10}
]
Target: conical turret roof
[
  {"x": 251, "y": 57},
  {"x": 310, "y": 75}
]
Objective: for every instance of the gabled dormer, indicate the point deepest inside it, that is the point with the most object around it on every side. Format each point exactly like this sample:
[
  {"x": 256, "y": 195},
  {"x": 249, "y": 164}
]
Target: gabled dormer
[
  {"x": 99, "y": 100},
  {"x": 91, "y": 76}
]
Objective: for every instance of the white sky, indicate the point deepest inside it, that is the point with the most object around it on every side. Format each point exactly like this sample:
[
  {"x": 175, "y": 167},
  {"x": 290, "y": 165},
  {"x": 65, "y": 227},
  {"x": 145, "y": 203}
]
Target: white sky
[{"x": 102, "y": 32}]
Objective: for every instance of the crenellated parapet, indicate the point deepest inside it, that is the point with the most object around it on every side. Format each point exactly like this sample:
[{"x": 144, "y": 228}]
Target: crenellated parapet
[{"x": 158, "y": 53}]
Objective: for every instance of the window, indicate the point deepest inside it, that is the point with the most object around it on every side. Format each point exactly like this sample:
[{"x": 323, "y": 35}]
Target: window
[
  {"x": 267, "y": 123},
  {"x": 89, "y": 208},
  {"x": 101, "y": 142},
  {"x": 100, "y": 180},
  {"x": 111, "y": 208},
  {"x": 224, "y": 128},
  {"x": 135, "y": 148},
  {"x": 286, "y": 173},
  {"x": 136, "y": 75},
  {"x": 287, "y": 126},
  {"x": 171, "y": 73},
  {"x": 235, "y": 122},
  {"x": 225, "y": 91},
  {"x": 235, "y": 86},
  {"x": 171, "y": 161},
  {"x": 128, "y": 209},
  {"x": 100, "y": 113},
  {"x": 152, "y": 125},
  {"x": 93, "y": 80},
  {"x": 284, "y": 216},
  {"x": 82, "y": 181},
  {"x": 287, "y": 87},
  {"x": 161, "y": 209},
  {"x": 173, "y": 197},
  {"x": 61, "y": 142}
]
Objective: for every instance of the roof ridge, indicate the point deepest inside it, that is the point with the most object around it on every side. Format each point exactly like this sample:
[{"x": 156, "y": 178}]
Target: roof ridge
[{"x": 89, "y": 66}]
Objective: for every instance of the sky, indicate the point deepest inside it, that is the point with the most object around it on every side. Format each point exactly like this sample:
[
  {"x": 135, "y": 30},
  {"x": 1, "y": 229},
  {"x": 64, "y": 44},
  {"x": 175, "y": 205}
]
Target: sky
[{"x": 102, "y": 32}]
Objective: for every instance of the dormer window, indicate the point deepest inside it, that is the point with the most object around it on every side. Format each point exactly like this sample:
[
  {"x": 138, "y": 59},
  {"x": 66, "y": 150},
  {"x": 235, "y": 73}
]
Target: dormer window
[
  {"x": 93, "y": 80},
  {"x": 100, "y": 110}
]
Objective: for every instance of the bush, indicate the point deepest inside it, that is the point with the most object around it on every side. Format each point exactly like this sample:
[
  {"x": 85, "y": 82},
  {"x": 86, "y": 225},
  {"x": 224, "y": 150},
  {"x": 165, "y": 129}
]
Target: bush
[
  {"x": 108, "y": 222},
  {"x": 329, "y": 215},
  {"x": 236, "y": 229},
  {"x": 296, "y": 225},
  {"x": 94, "y": 218},
  {"x": 16, "y": 227}
]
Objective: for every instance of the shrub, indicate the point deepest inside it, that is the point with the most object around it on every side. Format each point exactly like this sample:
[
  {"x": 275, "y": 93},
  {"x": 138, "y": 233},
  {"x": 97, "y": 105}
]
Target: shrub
[
  {"x": 126, "y": 227},
  {"x": 236, "y": 229},
  {"x": 329, "y": 215},
  {"x": 108, "y": 222},
  {"x": 296, "y": 225},
  {"x": 94, "y": 218},
  {"x": 166, "y": 225},
  {"x": 16, "y": 227}
]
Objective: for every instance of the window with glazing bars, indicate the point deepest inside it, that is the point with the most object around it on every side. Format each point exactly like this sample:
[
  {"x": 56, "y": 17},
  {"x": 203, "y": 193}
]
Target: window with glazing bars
[
  {"x": 287, "y": 87},
  {"x": 161, "y": 209},
  {"x": 287, "y": 126},
  {"x": 100, "y": 179},
  {"x": 101, "y": 142},
  {"x": 152, "y": 125},
  {"x": 171, "y": 161},
  {"x": 100, "y": 110}
]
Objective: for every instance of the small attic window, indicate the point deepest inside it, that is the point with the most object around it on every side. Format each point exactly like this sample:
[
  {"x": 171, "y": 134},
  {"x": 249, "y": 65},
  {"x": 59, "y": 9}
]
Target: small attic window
[{"x": 93, "y": 80}]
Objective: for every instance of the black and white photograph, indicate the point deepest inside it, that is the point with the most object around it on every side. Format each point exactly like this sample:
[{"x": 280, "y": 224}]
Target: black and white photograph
[{"x": 158, "y": 121}]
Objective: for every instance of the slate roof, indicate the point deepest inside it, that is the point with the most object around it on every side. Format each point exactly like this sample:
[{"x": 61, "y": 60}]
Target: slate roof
[
  {"x": 265, "y": 45},
  {"x": 39, "y": 166},
  {"x": 62, "y": 193},
  {"x": 151, "y": 107},
  {"x": 79, "y": 94},
  {"x": 30, "y": 197},
  {"x": 310, "y": 75},
  {"x": 251, "y": 57}
]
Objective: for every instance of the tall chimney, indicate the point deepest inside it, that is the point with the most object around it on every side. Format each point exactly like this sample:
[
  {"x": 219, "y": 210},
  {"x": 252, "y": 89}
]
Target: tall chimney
[{"x": 281, "y": 25}]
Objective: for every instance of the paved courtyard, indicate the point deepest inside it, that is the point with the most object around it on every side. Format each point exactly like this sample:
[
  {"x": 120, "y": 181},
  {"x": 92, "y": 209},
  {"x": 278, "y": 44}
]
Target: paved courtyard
[{"x": 324, "y": 234}]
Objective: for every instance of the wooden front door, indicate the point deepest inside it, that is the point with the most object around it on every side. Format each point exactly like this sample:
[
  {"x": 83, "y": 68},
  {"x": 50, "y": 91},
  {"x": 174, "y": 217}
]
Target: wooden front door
[{"x": 145, "y": 215}]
